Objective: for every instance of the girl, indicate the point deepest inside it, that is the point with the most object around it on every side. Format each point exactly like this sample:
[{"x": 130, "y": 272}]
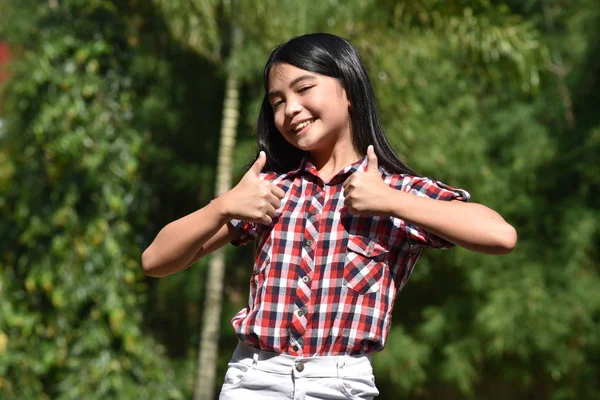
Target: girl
[{"x": 338, "y": 223}]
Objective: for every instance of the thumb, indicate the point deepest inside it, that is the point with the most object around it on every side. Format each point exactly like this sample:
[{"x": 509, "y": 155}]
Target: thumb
[
  {"x": 372, "y": 165},
  {"x": 259, "y": 164}
]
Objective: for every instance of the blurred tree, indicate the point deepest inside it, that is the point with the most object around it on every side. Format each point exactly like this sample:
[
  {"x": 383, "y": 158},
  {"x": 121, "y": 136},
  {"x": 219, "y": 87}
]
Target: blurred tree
[
  {"x": 70, "y": 201},
  {"x": 197, "y": 27},
  {"x": 209, "y": 340}
]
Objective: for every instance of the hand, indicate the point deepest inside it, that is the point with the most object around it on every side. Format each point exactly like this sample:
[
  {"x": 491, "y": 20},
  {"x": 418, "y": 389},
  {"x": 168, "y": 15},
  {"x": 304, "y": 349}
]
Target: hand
[
  {"x": 254, "y": 199},
  {"x": 365, "y": 192}
]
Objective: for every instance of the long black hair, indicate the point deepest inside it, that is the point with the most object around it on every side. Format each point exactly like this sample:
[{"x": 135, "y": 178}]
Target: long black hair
[{"x": 336, "y": 57}]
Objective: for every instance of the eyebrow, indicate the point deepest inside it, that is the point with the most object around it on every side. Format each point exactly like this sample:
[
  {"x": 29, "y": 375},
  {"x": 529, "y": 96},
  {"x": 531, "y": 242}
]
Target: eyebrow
[{"x": 292, "y": 83}]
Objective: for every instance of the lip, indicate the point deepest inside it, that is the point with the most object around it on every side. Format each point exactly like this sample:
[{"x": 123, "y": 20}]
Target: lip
[{"x": 306, "y": 128}]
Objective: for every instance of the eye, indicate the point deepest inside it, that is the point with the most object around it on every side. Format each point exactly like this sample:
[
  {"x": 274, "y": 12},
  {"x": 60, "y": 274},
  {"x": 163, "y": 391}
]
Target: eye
[
  {"x": 276, "y": 104},
  {"x": 304, "y": 89}
]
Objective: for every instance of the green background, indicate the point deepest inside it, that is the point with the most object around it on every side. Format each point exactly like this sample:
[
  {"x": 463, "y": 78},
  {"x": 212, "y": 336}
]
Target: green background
[{"x": 112, "y": 115}]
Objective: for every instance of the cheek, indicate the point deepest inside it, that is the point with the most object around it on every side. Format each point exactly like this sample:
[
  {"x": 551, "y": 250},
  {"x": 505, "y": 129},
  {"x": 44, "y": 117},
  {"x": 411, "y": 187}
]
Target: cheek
[{"x": 278, "y": 120}]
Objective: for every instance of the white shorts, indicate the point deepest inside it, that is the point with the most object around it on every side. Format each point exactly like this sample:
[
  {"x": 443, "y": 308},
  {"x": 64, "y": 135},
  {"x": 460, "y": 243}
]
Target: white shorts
[{"x": 257, "y": 374}]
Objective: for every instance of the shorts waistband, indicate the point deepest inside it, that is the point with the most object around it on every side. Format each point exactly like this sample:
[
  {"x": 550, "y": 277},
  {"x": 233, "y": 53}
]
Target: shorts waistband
[{"x": 314, "y": 367}]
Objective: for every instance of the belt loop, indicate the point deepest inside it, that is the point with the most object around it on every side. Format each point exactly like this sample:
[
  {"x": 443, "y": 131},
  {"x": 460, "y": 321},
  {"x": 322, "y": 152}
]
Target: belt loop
[
  {"x": 341, "y": 362},
  {"x": 255, "y": 358}
]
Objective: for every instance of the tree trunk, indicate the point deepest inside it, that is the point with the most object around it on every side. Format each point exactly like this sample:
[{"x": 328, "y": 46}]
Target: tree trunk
[{"x": 209, "y": 340}]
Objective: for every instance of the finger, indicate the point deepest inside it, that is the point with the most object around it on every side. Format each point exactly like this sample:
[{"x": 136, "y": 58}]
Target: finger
[
  {"x": 348, "y": 198},
  {"x": 266, "y": 220},
  {"x": 277, "y": 191},
  {"x": 259, "y": 164},
  {"x": 270, "y": 211},
  {"x": 275, "y": 202},
  {"x": 267, "y": 214},
  {"x": 372, "y": 165},
  {"x": 347, "y": 182},
  {"x": 260, "y": 217}
]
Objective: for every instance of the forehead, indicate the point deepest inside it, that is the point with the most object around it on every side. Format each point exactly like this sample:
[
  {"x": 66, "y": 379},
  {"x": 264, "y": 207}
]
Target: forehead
[{"x": 282, "y": 74}]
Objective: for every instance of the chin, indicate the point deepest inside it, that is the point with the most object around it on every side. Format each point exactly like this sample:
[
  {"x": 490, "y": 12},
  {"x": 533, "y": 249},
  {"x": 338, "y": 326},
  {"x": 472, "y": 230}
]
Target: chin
[
  {"x": 300, "y": 144},
  {"x": 305, "y": 146}
]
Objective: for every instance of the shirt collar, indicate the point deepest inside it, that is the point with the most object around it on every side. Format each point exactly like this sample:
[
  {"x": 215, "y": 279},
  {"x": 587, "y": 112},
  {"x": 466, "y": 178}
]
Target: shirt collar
[{"x": 307, "y": 166}]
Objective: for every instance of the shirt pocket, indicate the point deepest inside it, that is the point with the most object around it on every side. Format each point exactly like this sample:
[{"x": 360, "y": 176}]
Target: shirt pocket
[{"x": 364, "y": 264}]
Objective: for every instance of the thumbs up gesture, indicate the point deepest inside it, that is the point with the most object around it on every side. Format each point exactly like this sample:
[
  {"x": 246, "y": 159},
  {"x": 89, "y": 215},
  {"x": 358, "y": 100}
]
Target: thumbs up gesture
[
  {"x": 254, "y": 199},
  {"x": 365, "y": 192}
]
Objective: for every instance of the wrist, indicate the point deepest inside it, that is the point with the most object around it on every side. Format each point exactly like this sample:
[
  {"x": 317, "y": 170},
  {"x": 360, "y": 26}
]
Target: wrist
[
  {"x": 396, "y": 202},
  {"x": 223, "y": 209}
]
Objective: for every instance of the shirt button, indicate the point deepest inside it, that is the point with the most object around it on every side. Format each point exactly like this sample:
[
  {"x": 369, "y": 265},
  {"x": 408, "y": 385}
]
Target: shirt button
[
  {"x": 305, "y": 279},
  {"x": 300, "y": 312},
  {"x": 309, "y": 242},
  {"x": 299, "y": 366},
  {"x": 295, "y": 347}
]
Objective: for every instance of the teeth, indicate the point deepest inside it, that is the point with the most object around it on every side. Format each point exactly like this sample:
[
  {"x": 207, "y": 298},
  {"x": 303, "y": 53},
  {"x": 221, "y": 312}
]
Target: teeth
[{"x": 302, "y": 125}]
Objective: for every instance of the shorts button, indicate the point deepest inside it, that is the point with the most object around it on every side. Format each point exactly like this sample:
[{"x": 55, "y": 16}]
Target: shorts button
[{"x": 299, "y": 366}]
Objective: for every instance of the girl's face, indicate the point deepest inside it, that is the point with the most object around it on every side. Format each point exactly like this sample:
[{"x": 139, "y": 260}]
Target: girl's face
[{"x": 311, "y": 111}]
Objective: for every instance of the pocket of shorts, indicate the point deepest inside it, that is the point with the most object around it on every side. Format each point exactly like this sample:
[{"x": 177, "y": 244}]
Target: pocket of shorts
[
  {"x": 236, "y": 374},
  {"x": 359, "y": 387},
  {"x": 364, "y": 264}
]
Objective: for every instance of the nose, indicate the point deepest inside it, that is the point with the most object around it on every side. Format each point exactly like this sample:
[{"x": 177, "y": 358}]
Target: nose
[{"x": 292, "y": 107}]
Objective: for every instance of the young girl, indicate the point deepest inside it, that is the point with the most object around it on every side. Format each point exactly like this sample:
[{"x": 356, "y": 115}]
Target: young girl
[{"x": 338, "y": 223}]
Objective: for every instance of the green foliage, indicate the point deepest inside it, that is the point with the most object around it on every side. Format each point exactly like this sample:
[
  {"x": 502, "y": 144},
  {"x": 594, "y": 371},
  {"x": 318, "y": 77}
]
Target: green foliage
[
  {"x": 528, "y": 321},
  {"x": 112, "y": 133},
  {"x": 71, "y": 198}
]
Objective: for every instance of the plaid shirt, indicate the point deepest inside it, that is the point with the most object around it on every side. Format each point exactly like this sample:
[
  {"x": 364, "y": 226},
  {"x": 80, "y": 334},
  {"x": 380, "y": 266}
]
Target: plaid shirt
[{"x": 324, "y": 280}]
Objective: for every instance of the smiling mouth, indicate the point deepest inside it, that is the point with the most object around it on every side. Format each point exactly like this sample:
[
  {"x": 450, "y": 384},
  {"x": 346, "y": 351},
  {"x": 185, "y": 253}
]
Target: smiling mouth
[{"x": 302, "y": 125}]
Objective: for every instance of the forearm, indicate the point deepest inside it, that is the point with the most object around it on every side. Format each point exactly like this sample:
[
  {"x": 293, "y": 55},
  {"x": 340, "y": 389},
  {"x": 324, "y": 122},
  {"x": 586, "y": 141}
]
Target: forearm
[
  {"x": 178, "y": 242},
  {"x": 469, "y": 225}
]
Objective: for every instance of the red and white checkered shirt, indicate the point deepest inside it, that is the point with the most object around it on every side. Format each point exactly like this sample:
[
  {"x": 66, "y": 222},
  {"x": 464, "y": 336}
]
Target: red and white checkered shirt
[{"x": 324, "y": 280}]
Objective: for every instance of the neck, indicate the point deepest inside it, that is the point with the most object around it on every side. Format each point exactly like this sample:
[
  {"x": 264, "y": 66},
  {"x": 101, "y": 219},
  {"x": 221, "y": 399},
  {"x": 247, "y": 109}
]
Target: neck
[{"x": 332, "y": 159}]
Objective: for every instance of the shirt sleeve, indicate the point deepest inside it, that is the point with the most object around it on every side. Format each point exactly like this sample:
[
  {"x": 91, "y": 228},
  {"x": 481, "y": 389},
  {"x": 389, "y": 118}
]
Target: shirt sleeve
[
  {"x": 247, "y": 231},
  {"x": 427, "y": 187}
]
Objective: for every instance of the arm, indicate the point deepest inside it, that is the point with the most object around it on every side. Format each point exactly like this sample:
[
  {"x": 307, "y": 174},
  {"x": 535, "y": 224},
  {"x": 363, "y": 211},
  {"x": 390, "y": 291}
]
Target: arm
[
  {"x": 182, "y": 242},
  {"x": 469, "y": 225}
]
